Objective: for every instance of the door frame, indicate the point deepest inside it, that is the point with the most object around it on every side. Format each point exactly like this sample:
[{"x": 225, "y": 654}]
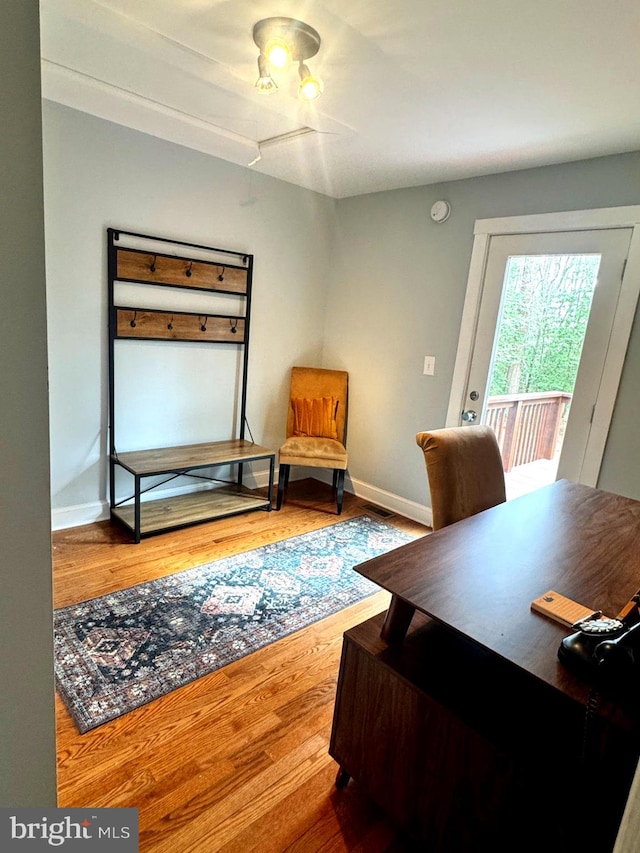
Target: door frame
[{"x": 540, "y": 223}]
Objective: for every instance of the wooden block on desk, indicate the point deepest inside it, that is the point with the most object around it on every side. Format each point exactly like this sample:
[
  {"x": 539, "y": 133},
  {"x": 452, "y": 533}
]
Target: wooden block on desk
[{"x": 560, "y": 608}]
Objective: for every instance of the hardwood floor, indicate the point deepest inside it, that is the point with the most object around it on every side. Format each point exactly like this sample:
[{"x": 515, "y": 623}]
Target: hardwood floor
[{"x": 237, "y": 760}]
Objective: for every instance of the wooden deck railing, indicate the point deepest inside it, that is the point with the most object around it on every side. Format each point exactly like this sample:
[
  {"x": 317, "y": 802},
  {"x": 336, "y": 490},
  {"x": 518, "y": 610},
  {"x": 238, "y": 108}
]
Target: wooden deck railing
[{"x": 526, "y": 425}]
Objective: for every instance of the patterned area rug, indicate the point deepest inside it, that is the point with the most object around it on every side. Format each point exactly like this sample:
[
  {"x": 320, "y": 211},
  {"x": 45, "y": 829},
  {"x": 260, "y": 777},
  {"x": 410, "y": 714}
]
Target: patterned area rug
[{"x": 120, "y": 651}]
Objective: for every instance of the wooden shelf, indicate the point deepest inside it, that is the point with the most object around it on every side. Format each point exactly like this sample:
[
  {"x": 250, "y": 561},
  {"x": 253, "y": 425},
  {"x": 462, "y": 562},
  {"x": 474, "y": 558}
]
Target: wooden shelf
[
  {"x": 193, "y": 508},
  {"x": 163, "y": 460}
]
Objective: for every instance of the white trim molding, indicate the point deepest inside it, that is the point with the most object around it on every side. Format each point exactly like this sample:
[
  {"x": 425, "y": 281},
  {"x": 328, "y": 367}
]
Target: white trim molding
[
  {"x": 77, "y": 516},
  {"x": 387, "y": 500},
  {"x": 565, "y": 220}
]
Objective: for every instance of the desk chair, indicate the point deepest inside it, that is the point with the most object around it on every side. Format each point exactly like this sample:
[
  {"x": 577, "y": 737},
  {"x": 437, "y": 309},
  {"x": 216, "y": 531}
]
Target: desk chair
[
  {"x": 316, "y": 426},
  {"x": 464, "y": 469}
]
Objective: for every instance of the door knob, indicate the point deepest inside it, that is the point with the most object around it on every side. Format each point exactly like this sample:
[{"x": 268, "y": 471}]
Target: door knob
[{"x": 469, "y": 416}]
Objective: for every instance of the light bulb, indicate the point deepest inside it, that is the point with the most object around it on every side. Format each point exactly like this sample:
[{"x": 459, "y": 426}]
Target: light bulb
[
  {"x": 310, "y": 86},
  {"x": 265, "y": 83},
  {"x": 278, "y": 53}
]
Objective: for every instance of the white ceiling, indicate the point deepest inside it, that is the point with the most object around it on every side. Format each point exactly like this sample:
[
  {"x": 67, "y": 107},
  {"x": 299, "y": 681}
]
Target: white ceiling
[{"x": 415, "y": 91}]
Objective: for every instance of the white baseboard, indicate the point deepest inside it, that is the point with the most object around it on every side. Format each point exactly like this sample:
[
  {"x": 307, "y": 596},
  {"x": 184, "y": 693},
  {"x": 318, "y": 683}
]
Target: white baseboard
[
  {"x": 410, "y": 509},
  {"x": 77, "y": 516},
  {"x": 387, "y": 500}
]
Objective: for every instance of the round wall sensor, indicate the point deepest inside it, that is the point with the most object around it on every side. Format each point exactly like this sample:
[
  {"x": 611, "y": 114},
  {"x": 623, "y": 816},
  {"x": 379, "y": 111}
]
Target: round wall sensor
[{"x": 440, "y": 211}]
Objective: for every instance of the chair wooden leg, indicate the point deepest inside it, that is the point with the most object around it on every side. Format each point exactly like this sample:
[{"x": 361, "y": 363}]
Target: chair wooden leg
[
  {"x": 340, "y": 488},
  {"x": 283, "y": 482}
]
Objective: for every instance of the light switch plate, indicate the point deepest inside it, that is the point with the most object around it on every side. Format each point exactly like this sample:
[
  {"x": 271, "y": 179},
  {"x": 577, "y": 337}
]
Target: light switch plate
[{"x": 429, "y": 365}]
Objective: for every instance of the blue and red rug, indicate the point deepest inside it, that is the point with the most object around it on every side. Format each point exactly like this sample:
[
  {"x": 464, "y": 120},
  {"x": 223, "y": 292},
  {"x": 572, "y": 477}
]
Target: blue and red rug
[{"x": 120, "y": 651}]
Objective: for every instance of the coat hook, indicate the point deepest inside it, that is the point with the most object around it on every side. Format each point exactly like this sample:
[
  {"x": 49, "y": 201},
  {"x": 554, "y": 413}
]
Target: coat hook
[
  {"x": 234, "y": 325},
  {"x": 221, "y": 275},
  {"x": 170, "y": 323},
  {"x": 152, "y": 265},
  {"x": 188, "y": 270},
  {"x": 133, "y": 323},
  {"x": 203, "y": 327}
]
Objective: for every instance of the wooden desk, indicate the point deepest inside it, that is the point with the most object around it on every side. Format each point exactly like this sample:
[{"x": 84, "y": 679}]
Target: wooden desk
[
  {"x": 479, "y": 576},
  {"x": 475, "y": 696}
]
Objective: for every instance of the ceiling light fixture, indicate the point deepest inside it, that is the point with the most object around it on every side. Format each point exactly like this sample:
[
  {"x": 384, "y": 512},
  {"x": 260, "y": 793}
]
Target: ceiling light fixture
[{"x": 282, "y": 40}]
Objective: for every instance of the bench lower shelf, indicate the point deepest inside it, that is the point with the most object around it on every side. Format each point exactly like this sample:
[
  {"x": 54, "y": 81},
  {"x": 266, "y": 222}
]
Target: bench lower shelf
[{"x": 183, "y": 510}]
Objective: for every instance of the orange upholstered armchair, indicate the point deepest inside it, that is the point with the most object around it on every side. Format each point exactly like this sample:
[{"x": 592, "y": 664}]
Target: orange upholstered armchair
[
  {"x": 464, "y": 469},
  {"x": 316, "y": 426}
]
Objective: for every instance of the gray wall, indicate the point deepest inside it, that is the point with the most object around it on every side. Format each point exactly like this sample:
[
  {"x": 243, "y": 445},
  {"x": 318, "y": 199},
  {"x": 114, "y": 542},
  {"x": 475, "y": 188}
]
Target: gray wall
[
  {"x": 397, "y": 294},
  {"x": 27, "y": 733},
  {"x": 369, "y": 284},
  {"x": 98, "y": 174}
]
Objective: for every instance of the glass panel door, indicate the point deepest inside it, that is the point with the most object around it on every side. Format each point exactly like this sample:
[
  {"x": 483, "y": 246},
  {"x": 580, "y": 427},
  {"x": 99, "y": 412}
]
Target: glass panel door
[{"x": 539, "y": 339}]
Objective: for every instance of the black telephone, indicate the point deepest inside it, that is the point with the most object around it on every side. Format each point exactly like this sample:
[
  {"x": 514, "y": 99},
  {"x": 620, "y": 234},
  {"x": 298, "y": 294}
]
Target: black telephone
[{"x": 606, "y": 652}]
